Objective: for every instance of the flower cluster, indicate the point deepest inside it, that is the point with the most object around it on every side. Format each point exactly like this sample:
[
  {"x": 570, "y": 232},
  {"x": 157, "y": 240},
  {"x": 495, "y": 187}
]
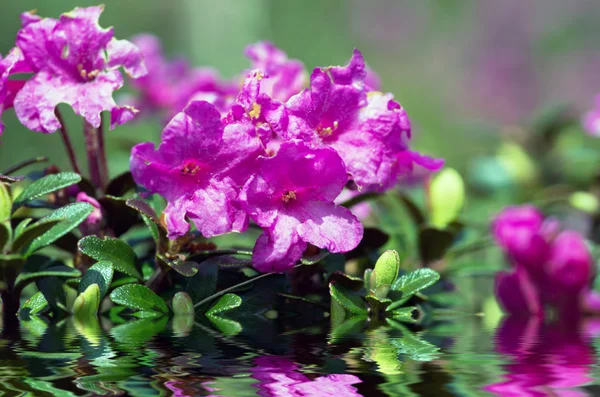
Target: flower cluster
[
  {"x": 72, "y": 60},
  {"x": 552, "y": 268},
  {"x": 277, "y": 154}
]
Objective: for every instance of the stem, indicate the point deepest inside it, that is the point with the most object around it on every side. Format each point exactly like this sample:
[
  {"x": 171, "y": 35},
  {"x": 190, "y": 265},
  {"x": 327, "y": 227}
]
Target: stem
[
  {"x": 67, "y": 141},
  {"x": 24, "y": 164},
  {"x": 226, "y": 290},
  {"x": 102, "y": 154},
  {"x": 91, "y": 148}
]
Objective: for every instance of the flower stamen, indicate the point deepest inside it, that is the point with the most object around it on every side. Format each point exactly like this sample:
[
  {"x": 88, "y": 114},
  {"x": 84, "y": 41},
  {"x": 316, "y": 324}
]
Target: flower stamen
[
  {"x": 190, "y": 168},
  {"x": 288, "y": 195},
  {"x": 255, "y": 112},
  {"x": 327, "y": 131}
]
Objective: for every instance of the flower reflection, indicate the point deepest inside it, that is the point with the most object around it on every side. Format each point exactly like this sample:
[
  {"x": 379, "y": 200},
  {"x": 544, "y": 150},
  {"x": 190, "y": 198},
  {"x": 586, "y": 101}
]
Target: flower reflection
[
  {"x": 544, "y": 358},
  {"x": 279, "y": 377}
]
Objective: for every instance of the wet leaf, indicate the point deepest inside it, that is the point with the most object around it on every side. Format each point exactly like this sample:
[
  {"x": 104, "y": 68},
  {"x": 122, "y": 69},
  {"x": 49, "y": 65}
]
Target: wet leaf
[
  {"x": 182, "y": 304},
  {"x": 30, "y": 233},
  {"x": 87, "y": 303},
  {"x": 386, "y": 268},
  {"x": 70, "y": 216},
  {"x": 45, "y": 185},
  {"x": 342, "y": 279},
  {"x": 100, "y": 274},
  {"x": 348, "y": 299},
  {"x": 59, "y": 270},
  {"x": 139, "y": 297},
  {"x": 434, "y": 243},
  {"x": 225, "y": 325},
  {"x": 33, "y": 305},
  {"x": 412, "y": 346},
  {"x": 140, "y": 331},
  {"x": 226, "y": 303},
  {"x": 112, "y": 250},
  {"x": 413, "y": 282},
  {"x": 312, "y": 260}
]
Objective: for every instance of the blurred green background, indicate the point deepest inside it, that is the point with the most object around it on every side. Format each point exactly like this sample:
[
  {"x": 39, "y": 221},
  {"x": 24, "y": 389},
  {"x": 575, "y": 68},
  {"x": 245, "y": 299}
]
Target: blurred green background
[{"x": 465, "y": 70}]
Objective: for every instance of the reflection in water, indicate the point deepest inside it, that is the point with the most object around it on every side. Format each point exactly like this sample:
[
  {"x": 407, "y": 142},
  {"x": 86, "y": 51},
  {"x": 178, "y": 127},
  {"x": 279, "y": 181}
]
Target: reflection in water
[
  {"x": 546, "y": 359},
  {"x": 458, "y": 357}
]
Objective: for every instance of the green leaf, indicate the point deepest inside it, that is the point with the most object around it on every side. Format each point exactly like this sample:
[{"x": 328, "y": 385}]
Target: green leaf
[
  {"x": 226, "y": 303},
  {"x": 62, "y": 271},
  {"x": 87, "y": 303},
  {"x": 140, "y": 331},
  {"x": 413, "y": 282},
  {"x": 5, "y": 202},
  {"x": 21, "y": 226},
  {"x": 100, "y": 274},
  {"x": 446, "y": 197},
  {"x": 434, "y": 243},
  {"x": 386, "y": 268},
  {"x": 348, "y": 299},
  {"x": 406, "y": 314},
  {"x": 312, "y": 260},
  {"x": 182, "y": 304},
  {"x": 412, "y": 346},
  {"x": 53, "y": 291},
  {"x": 139, "y": 297},
  {"x": 5, "y": 235},
  {"x": 367, "y": 280},
  {"x": 33, "y": 305},
  {"x": 70, "y": 216},
  {"x": 225, "y": 325},
  {"x": 30, "y": 233},
  {"x": 377, "y": 305},
  {"x": 112, "y": 250},
  {"x": 45, "y": 185}
]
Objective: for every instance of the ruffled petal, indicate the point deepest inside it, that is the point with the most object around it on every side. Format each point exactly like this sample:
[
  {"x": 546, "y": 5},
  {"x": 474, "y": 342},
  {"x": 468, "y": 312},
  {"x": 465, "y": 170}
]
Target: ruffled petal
[
  {"x": 278, "y": 248},
  {"x": 126, "y": 54}
]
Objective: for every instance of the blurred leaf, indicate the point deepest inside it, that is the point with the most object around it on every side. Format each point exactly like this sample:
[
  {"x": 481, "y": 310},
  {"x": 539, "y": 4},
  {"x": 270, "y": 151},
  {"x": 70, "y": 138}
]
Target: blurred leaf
[
  {"x": 53, "y": 291},
  {"x": 140, "y": 331},
  {"x": 45, "y": 185},
  {"x": 120, "y": 185},
  {"x": 446, "y": 197},
  {"x": 87, "y": 303},
  {"x": 372, "y": 240},
  {"x": 5, "y": 235},
  {"x": 101, "y": 274},
  {"x": 22, "y": 226},
  {"x": 182, "y": 324},
  {"x": 226, "y": 303},
  {"x": 70, "y": 216},
  {"x": 139, "y": 297},
  {"x": 182, "y": 304},
  {"x": 33, "y": 305},
  {"x": 30, "y": 233},
  {"x": 351, "y": 326},
  {"x": 412, "y": 346},
  {"x": 348, "y": 299},
  {"x": 413, "y": 282},
  {"x": 367, "y": 279},
  {"x": 112, "y": 250},
  {"x": 60, "y": 270},
  {"x": 5, "y": 202},
  {"x": 413, "y": 210},
  {"x": 386, "y": 268},
  {"x": 434, "y": 243}
]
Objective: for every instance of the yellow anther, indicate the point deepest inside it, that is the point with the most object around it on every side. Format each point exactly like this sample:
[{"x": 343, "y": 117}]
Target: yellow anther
[
  {"x": 289, "y": 195},
  {"x": 255, "y": 112}
]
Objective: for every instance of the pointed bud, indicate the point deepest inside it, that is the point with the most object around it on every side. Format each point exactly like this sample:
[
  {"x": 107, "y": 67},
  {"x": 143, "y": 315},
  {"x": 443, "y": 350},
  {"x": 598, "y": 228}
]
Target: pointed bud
[{"x": 386, "y": 268}]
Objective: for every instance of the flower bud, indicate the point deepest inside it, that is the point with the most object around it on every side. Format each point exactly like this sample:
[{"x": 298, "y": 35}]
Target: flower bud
[{"x": 570, "y": 265}]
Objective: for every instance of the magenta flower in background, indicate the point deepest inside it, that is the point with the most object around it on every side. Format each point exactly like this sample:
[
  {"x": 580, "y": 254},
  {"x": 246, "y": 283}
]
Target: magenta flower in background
[
  {"x": 291, "y": 197},
  {"x": 279, "y": 376},
  {"x": 74, "y": 61},
  {"x": 199, "y": 168},
  {"x": 551, "y": 267},
  {"x": 369, "y": 130},
  {"x": 13, "y": 63},
  {"x": 591, "y": 120},
  {"x": 93, "y": 223},
  {"x": 287, "y": 77}
]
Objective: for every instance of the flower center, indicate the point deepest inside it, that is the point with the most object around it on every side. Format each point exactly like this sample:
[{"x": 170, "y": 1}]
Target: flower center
[
  {"x": 189, "y": 167},
  {"x": 88, "y": 76},
  {"x": 327, "y": 131},
  {"x": 255, "y": 112},
  {"x": 288, "y": 195}
]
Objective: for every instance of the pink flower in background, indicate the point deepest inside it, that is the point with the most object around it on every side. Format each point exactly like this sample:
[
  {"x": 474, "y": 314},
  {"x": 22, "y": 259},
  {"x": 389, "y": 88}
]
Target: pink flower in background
[
  {"x": 74, "y": 61},
  {"x": 551, "y": 267},
  {"x": 93, "y": 223},
  {"x": 591, "y": 120},
  {"x": 199, "y": 168},
  {"x": 369, "y": 130},
  {"x": 279, "y": 377},
  {"x": 291, "y": 196},
  {"x": 287, "y": 77},
  {"x": 13, "y": 63}
]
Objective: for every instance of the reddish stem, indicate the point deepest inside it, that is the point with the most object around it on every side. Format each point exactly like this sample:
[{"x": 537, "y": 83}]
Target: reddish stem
[
  {"x": 67, "y": 141},
  {"x": 92, "y": 149},
  {"x": 102, "y": 155}
]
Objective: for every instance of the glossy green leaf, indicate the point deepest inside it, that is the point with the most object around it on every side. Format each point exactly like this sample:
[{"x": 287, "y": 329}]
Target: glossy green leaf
[
  {"x": 413, "y": 282},
  {"x": 70, "y": 216},
  {"x": 33, "y": 305},
  {"x": 45, "y": 185},
  {"x": 140, "y": 331},
  {"x": 87, "y": 303},
  {"x": 30, "y": 233},
  {"x": 5, "y": 202},
  {"x": 61, "y": 271},
  {"x": 100, "y": 274},
  {"x": 182, "y": 304},
  {"x": 376, "y": 304},
  {"x": 225, "y": 325},
  {"x": 446, "y": 197},
  {"x": 22, "y": 226},
  {"x": 312, "y": 260},
  {"x": 348, "y": 299},
  {"x": 226, "y": 303},
  {"x": 139, "y": 297},
  {"x": 386, "y": 268},
  {"x": 112, "y": 250}
]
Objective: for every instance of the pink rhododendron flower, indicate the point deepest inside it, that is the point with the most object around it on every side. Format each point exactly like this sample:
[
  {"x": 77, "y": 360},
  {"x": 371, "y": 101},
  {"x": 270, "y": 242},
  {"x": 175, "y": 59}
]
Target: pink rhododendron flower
[
  {"x": 291, "y": 197},
  {"x": 286, "y": 76},
  {"x": 551, "y": 267},
  {"x": 368, "y": 129},
  {"x": 279, "y": 376},
  {"x": 13, "y": 63},
  {"x": 198, "y": 168},
  {"x": 74, "y": 61},
  {"x": 171, "y": 84},
  {"x": 591, "y": 120},
  {"x": 93, "y": 222}
]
